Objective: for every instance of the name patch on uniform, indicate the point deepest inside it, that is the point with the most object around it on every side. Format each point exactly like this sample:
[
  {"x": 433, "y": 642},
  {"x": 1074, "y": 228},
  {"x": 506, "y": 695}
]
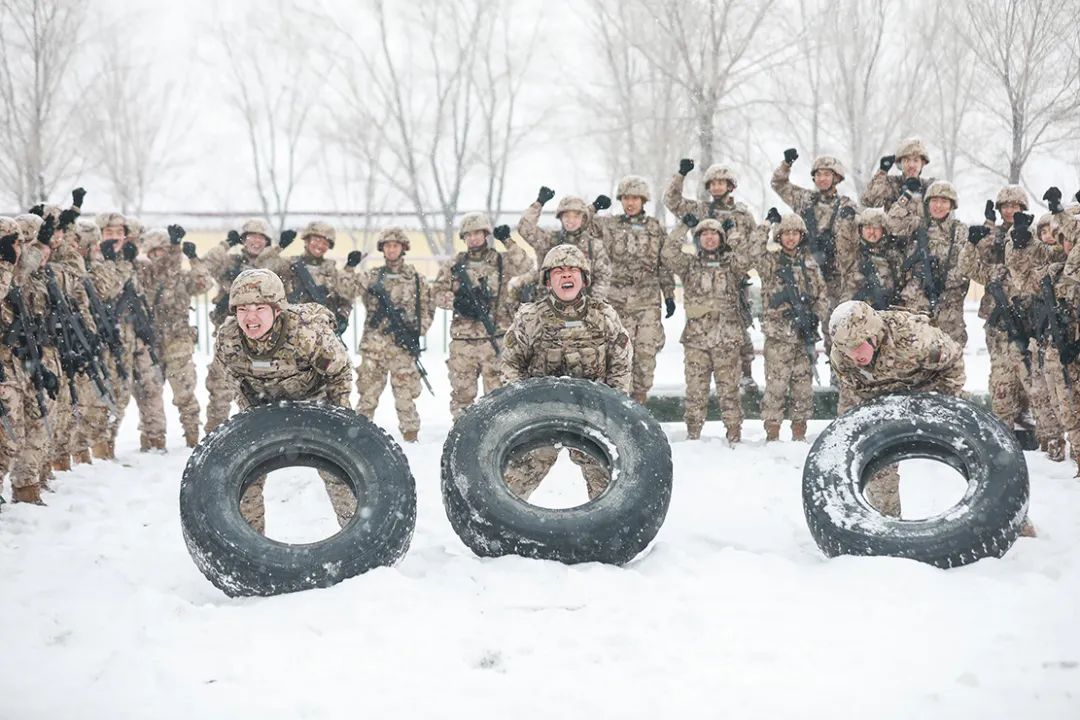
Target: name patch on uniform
[
  {"x": 392, "y": 276},
  {"x": 261, "y": 364},
  {"x": 572, "y": 324},
  {"x": 711, "y": 264}
]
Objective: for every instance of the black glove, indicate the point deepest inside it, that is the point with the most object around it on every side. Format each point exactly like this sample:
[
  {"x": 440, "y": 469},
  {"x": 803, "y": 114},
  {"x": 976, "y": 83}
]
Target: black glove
[
  {"x": 77, "y": 196},
  {"x": 233, "y": 238},
  {"x": 108, "y": 249},
  {"x": 7, "y": 247},
  {"x": 602, "y": 202},
  {"x": 669, "y": 307},
  {"x": 727, "y": 224},
  {"x": 129, "y": 251},
  {"x": 988, "y": 211},
  {"x": 791, "y": 155},
  {"x": 1023, "y": 220},
  {"x": 176, "y": 234},
  {"x": 502, "y": 233},
  {"x": 45, "y": 234},
  {"x": 50, "y": 382},
  {"x": 773, "y": 215},
  {"x": 1077, "y": 196},
  {"x": 912, "y": 186},
  {"x": 886, "y": 163},
  {"x": 287, "y": 236},
  {"x": 38, "y": 210},
  {"x": 690, "y": 220},
  {"x": 354, "y": 258},
  {"x": 847, "y": 212},
  {"x": 188, "y": 249},
  {"x": 685, "y": 166},
  {"x": 68, "y": 218},
  {"x": 545, "y": 194},
  {"x": 1053, "y": 199},
  {"x": 1021, "y": 233},
  {"x": 977, "y": 233}
]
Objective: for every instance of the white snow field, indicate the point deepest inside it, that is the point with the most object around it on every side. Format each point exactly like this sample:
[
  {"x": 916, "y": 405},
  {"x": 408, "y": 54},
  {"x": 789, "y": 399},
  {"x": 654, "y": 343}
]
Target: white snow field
[{"x": 731, "y": 613}]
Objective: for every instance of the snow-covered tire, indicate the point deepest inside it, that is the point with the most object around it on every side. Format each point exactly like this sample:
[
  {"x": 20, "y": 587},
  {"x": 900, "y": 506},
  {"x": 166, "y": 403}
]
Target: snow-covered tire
[
  {"x": 613, "y": 528},
  {"x": 237, "y": 559},
  {"x": 985, "y": 522}
]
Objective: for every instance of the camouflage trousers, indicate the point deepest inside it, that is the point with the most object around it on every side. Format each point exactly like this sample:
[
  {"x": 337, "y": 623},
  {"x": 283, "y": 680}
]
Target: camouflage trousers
[
  {"x": 700, "y": 366},
  {"x": 24, "y": 453},
  {"x": 1031, "y": 377},
  {"x": 950, "y": 317},
  {"x": 375, "y": 365},
  {"x": 469, "y": 360},
  {"x": 177, "y": 356},
  {"x": 92, "y": 415},
  {"x": 221, "y": 389},
  {"x": 144, "y": 382},
  {"x": 882, "y": 491},
  {"x": 1008, "y": 398},
  {"x": 526, "y": 471},
  {"x": 788, "y": 382},
  {"x": 61, "y": 420},
  {"x": 647, "y": 335},
  {"x": 1065, "y": 400},
  {"x": 253, "y": 506}
]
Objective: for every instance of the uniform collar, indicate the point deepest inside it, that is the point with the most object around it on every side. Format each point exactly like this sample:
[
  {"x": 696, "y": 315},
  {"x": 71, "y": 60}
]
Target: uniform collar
[
  {"x": 574, "y": 308},
  {"x": 266, "y": 345}
]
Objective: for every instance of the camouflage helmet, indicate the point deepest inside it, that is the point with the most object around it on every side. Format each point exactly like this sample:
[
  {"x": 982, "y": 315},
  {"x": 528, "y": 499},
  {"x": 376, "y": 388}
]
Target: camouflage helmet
[
  {"x": 828, "y": 162},
  {"x": 1046, "y": 220},
  {"x": 8, "y": 226},
  {"x": 565, "y": 255},
  {"x": 155, "y": 239},
  {"x": 852, "y": 323},
  {"x": 571, "y": 203},
  {"x": 791, "y": 221},
  {"x": 111, "y": 219},
  {"x": 709, "y": 224},
  {"x": 29, "y": 226},
  {"x": 633, "y": 185},
  {"x": 257, "y": 286},
  {"x": 88, "y": 234},
  {"x": 1011, "y": 194},
  {"x": 392, "y": 234},
  {"x": 320, "y": 228},
  {"x": 473, "y": 222},
  {"x": 720, "y": 172},
  {"x": 943, "y": 189},
  {"x": 912, "y": 146},
  {"x": 871, "y": 216},
  {"x": 256, "y": 226}
]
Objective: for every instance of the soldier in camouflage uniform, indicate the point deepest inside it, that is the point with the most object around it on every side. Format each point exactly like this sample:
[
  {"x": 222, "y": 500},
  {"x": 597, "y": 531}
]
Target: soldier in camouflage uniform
[
  {"x": 639, "y": 280},
  {"x": 579, "y": 228},
  {"x": 272, "y": 352},
  {"x": 566, "y": 333},
  {"x": 224, "y": 266},
  {"x": 789, "y": 351},
  {"x": 473, "y": 349},
  {"x": 874, "y": 271},
  {"x": 313, "y": 266},
  {"x": 884, "y": 189},
  {"x": 946, "y": 239},
  {"x": 712, "y": 339},
  {"x": 169, "y": 289},
  {"x": 380, "y": 354},
  {"x": 892, "y": 351},
  {"x": 720, "y": 183}
]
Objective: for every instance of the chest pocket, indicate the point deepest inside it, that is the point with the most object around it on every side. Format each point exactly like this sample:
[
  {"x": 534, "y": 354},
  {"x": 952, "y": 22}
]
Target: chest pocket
[{"x": 574, "y": 348}]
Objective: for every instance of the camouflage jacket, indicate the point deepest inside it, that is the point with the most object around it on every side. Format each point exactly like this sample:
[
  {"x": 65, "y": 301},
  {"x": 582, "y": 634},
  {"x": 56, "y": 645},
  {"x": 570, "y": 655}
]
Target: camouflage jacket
[
  {"x": 407, "y": 290},
  {"x": 712, "y": 289},
  {"x": 947, "y": 240},
  {"x": 301, "y": 358},
  {"x": 323, "y": 271},
  {"x": 1027, "y": 265},
  {"x": 883, "y": 189},
  {"x": 717, "y": 209},
  {"x": 639, "y": 277},
  {"x": 985, "y": 262},
  {"x": 592, "y": 238},
  {"x": 106, "y": 278},
  {"x": 223, "y": 267},
  {"x": 912, "y": 356},
  {"x": 584, "y": 339},
  {"x": 488, "y": 269},
  {"x": 821, "y": 212},
  {"x": 885, "y": 259},
  {"x": 169, "y": 289}
]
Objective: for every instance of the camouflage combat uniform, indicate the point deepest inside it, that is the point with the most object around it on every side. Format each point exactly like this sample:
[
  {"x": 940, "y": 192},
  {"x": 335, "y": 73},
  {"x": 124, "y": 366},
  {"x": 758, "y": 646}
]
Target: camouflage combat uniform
[
  {"x": 324, "y": 273},
  {"x": 591, "y": 238},
  {"x": 873, "y": 272},
  {"x": 883, "y": 189}
]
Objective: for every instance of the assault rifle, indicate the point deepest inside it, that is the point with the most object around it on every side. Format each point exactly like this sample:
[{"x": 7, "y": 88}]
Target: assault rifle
[
  {"x": 80, "y": 350},
  {"x": 1050, "y": 316},
  {"x": 822, "y": 242},
  {"x": 25, "y": 337},
  {"x": 133, "y": 306},
  {"x": 872, "y": 291},
  {"x": 1009, "y": 318},
  {"x": 799, "y": 312},
  {"x": 474, "y": 302},
  {"x": 928, "y": 268},
  {"x": 105, "y": 320},
  {"x": 316, "y": 292},
  {"x": 405, "y": 337}
]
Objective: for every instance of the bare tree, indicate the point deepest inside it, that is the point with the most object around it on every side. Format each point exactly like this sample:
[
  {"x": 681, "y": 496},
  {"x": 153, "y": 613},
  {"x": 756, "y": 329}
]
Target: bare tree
[
  {"x": 1029, "y": 52},
  {"x": 38, "y": 41},
  {"x": 802, "y": 92},
  {"x": 952, "y": 93}
]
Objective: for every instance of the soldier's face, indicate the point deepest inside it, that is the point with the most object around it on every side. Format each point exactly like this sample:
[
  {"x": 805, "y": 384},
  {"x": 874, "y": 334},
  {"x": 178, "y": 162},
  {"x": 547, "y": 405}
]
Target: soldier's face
[
  {"x": 718, "y": 188},
  {"x": 709, "y": 240},
  {"x": 1008, "y": 210},
  {"x": 316, "y": 245},
  {"x": 475, "y": 239},
  {"x": 46, "y": 253},
  {"x": 391, "y": 250},
  {"x": 863, "y": 354},
  {"x": 566, "y": 282},
  {"x": 872, "y": 233},
  {"x": 571, "y": 220},
  {"x": 255, "y": 243},
  {"x": 940, "y": 207},
  {"x": 1047, "y": 235},
  {"x": 156, "y": 254},
  {"x": 824, "y": 180},
  {"x": 255, "y": 320},
  {"x": 632, "y": 204},
  {"x": 911, "y": 165},
  {"x": 113, "y": 232},
  {"x": 790, "y": 239}
]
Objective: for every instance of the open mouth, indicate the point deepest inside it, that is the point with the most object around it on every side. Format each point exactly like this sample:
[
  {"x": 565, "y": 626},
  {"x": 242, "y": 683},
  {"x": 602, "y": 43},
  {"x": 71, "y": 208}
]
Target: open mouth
[{"x": 567, "y": 285}]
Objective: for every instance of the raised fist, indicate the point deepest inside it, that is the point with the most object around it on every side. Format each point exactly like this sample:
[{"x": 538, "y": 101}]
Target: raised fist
[
  {"x": 354, "y": 258},
  {"x": 1053, "y": 199},
  {"x": 38, "y": 210},
  {"x": 188, "y": 249},
  {"x": 791, "y": 155},
  {"x": 176, "y": 234},
  {"x": 77, "y": 196},
  {"x": 977, "y": 233},
  {"x": 68, "y": 218},
  {"x": 912, "y": 186},
  {"x": 728, "y": 224},
  {"x": 1023, "y": 220},
  {"x": 689, "y": 220},
  {"x": 7, "y": 248},
  {"x": 669, "y": 307},
  {"x": 45, "y": 234},
  {"x": 887, "y": 162},
  {"x": 773, "y": 215},
  {"x": 108, "y": 250},
  {"x": 1021, "y": 234},
  {"x": 233, "y": 238},
  {"x": 602, "y": 202},
  {"x": 130, "y": 251},
  {"x": 685, "y": 166},
  {"x": 847, "y": 212},
  {"x": 545, "y": 194},
  {"x": 988, "y": 211},
  {"x": 287, "y": 236},
  {"x": 502, "y": 233}
]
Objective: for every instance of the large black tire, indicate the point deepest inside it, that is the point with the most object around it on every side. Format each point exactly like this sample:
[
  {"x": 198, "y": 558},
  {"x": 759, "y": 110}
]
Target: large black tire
[
  {"x": 985, "y": 522},
  {"x": 237, "y": 559},
  {"x": 590, "y": 416}
]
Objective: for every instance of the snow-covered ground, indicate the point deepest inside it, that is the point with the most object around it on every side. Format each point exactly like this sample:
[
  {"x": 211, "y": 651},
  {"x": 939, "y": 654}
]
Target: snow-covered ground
[{"x": 732, "y": 612}]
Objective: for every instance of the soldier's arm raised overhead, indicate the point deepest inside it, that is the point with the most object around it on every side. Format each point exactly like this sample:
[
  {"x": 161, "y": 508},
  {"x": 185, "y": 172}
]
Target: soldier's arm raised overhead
[
  {"x": 620, "y": 353},
  {"x": 529, "y": 225},
  {"x": 672, "y": 256},
  {"x": 797, "y": 198},
  {"x": 905, "y": 214},
  {"x": 217, "y": 257},
  {"x": 880, "y": 191},
  {"x": 353, "y": 282},
  {"x": 673, "y": 195},
  {"x": 517, "y": 260}
]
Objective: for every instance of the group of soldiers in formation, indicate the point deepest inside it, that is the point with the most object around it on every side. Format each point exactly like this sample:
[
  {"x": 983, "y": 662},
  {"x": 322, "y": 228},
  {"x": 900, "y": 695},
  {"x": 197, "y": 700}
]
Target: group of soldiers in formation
[{"x": 97, "y": 311}]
